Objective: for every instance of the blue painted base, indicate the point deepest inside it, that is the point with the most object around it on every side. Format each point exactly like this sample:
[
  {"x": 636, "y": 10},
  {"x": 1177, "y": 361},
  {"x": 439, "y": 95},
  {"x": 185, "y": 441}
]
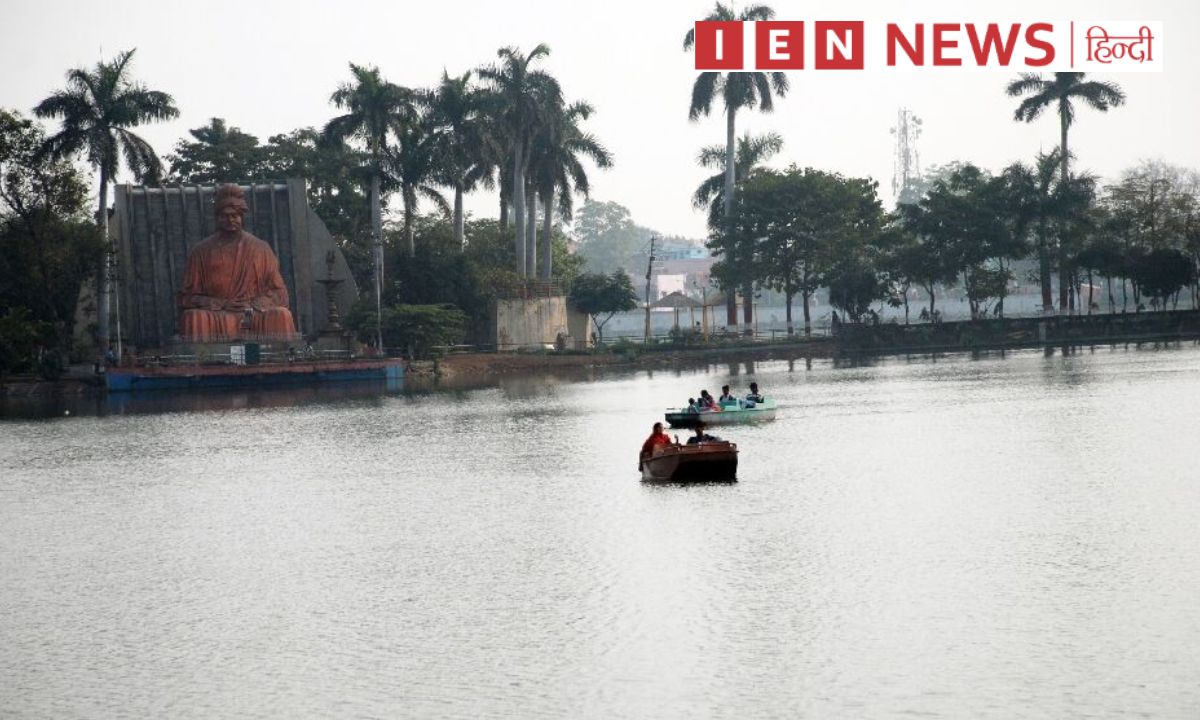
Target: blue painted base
[{"x": 119, "y": 380}]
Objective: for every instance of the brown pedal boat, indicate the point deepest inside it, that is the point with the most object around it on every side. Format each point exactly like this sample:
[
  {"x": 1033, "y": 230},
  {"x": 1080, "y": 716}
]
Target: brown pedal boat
[{"x": 714, "y": 461}]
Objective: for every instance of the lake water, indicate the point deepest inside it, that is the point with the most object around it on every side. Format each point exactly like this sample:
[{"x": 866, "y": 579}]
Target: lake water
[{"x": 998, "y": 537}]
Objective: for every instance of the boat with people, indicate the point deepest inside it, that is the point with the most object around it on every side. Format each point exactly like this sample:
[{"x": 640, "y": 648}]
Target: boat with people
[
  {"x": 714, "y": 461},
  {"x": 705, "y": 458},
  {"x": 727, "y": 410},
  {"x": 728, "y": 414}
]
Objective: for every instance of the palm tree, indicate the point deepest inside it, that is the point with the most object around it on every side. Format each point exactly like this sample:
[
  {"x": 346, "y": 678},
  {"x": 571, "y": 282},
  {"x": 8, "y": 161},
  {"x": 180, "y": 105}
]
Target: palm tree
[
  {"x": 1031, "y": 199},
  {"x": 531, "y": 201},
  {"x": 1061, "y": 91},
  {"x": 98, "y": 107},
  {"x": 375, "y": 108},
  {"x": 752, "y": 151},
  {"x": 738, "y": 90},
  {"x": 557, "y": 169},
  {"x": 458, "y": 108},
  {"x": 413, "y": 164},
  {"x": 519, "y": 98}
]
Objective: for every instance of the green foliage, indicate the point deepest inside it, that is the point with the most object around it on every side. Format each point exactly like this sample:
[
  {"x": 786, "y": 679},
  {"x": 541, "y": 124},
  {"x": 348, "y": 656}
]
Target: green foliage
[
  {"x": 48, "y": 245},
  {"x": 1160, "y": 273},
  {"x": 218, "y": 153},
  {"x": 336, "y": 181},
  {"x": 1145, "y": 229},
  {"x": 459, "y": 108},
  {"x": 412, "y": 166},
  {"x": 1061, "y": 92},
  {"x": 1105, "y": 256},
  {"x": 422, "y": 328},
  {"x": 418, "y": 330},
  {"x": 752, "y": 151},
  {"x": 603, "y": 295},
  {"x": 557, "y": 153},
  {"x": 98, "y": 108},
  {"x": 853, "y": 286},
  {"x": 375, "y": 108},
  {"x": 959, "y": 232},
  {"x": 608, "y": 238},
  {"x": 790, "y": 229},
  {"x": 523, "y": 102},
  {"x": 984, "y": 284},
  {"x": 469, "y": 278},
  {"x": 738, "y": 91},
  {"x": 20, "y": 336}
]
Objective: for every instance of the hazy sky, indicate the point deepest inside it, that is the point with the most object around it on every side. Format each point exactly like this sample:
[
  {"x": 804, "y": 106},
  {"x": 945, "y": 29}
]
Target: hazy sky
[{"x": 270, "y": 66}]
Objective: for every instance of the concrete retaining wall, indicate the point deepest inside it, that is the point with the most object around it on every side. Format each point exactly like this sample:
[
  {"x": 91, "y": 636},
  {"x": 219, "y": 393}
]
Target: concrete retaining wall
[{"x": 539, "y": 322}]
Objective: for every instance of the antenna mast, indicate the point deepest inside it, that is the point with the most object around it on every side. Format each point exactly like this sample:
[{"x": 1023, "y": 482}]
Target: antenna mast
[{"x": 906, "y": 163}]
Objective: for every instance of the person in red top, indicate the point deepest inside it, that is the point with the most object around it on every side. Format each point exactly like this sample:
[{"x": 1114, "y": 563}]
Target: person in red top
[{"x": 657, "y": 437}]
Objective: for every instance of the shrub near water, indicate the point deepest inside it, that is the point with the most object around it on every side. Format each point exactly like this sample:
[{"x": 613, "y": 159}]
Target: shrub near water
[{"x": 417, "y": 330}]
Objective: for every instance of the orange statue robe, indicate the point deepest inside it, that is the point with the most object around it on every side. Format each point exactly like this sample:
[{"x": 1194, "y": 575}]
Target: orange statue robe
[{"x": 233, "y": 289}]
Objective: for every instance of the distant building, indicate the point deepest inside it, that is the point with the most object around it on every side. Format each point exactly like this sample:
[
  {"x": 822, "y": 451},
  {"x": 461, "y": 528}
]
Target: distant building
[
  {"x": 677, "y": 249},
  {"x": 665, "y": 284}
]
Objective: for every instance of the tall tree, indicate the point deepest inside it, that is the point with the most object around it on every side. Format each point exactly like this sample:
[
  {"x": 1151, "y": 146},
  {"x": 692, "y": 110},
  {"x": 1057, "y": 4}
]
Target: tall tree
[
  {"x": 1031, "y": 207},
  {"x": 596, "y": 294},
  {"x": 958, "y": 216},
  {"x": 793, "y": 227},
  {"x": 336, "y": 175},
  {"x": 217, "y": 153},
  {"x": 414, "y": 164},
  {"x": 737, "y": 90},
  {"x": 1062, "y": 92},
  {"x": 48, "y": 244},
  {"x": 609, "y": 239},
  {"x": 752, "y": 152},
  {"x": 457, "y": 107},
  {"x": 98, "y": 108},
  {"x": 519, "y": 100},
  {"x": 375, "y": 109},
  {"x": 558, "y": 170}
]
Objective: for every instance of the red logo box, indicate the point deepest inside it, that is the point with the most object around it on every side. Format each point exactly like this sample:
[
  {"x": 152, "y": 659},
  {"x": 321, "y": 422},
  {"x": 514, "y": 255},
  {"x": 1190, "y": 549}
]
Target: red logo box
[
  {"x": 779, "y": 45},
  {"x": 719, "y": 45},
  {"x": 838, "y": 45}
]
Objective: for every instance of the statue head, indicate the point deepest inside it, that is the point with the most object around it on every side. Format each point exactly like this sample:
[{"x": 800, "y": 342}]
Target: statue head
[{"x": 230, "y": 208}]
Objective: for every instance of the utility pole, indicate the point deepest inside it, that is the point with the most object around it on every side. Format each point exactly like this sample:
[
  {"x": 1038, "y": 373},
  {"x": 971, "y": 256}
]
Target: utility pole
[{"x": 649, "y": 272}]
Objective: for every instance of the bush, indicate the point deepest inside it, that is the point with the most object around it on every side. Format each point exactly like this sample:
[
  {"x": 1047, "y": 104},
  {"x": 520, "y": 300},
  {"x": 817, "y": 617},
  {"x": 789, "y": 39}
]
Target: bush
[
  {"x": 20, "y": 336},
  {"x": 417, "y": 330}
]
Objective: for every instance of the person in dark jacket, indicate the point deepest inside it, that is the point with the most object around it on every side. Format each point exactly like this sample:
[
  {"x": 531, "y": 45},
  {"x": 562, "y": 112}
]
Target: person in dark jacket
[
  {"x": 701, "y": 436},
  {"x": 755, "y": 396}
]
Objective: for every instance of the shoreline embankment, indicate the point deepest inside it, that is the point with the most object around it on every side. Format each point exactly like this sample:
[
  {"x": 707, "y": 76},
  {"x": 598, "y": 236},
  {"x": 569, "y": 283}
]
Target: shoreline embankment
[{"x": 849, "y": 340}]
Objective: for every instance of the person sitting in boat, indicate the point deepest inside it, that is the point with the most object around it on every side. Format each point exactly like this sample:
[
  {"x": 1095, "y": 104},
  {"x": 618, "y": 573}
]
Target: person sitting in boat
[
  {"x": 707, "y": 402},
  {"x": 727, "y": 397},
  {"x": 755, "y": 396},
  {"x": 692, "y": 406},
  {"x": 657, "y": 439},
  {"x": 701, "y": 436}
]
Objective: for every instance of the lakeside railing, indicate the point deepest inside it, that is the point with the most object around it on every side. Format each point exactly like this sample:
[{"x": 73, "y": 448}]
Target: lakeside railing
[{"x": 1023, "y": 328}]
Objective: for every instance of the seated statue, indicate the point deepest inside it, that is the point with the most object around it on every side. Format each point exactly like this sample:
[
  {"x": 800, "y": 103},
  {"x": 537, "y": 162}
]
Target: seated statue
[{"x": 232, "y": 287}]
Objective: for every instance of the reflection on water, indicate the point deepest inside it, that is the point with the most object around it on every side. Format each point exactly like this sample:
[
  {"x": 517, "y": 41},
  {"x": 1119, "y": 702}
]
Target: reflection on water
[
  {"x": 992, "y": 536},
  {"x": 218, "y": 399}
]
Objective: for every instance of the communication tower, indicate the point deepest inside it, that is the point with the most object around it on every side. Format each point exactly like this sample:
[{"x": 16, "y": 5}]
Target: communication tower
[{"x": 906, "y": 165}]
